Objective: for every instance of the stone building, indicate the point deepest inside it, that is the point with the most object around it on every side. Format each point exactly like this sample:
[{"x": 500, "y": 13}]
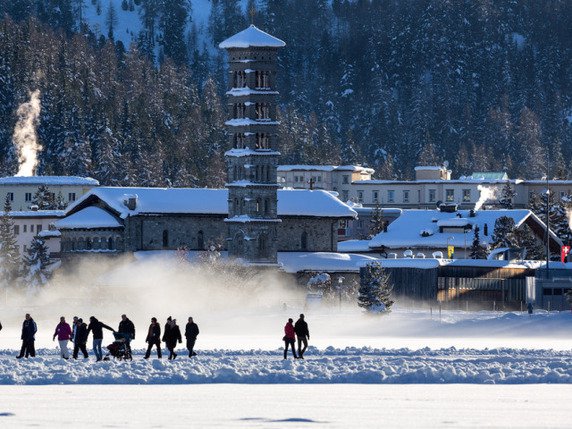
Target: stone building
[
  {"x": 252, "y": 160},
  {"x": 117, "y": 220}
]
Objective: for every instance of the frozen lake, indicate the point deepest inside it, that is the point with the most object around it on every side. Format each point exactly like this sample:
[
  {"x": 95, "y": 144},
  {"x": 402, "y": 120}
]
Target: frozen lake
[{"x": 286, "y": 406}]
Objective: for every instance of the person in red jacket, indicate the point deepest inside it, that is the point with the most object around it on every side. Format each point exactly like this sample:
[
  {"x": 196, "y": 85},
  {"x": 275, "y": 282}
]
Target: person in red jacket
[
  {"x": 289, "y": 337},
  {"x": 63, "y": 332}
]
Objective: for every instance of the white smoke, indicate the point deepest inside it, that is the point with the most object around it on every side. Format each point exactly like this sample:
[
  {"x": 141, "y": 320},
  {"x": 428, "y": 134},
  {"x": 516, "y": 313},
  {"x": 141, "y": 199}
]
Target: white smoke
[
  {"x": 485, "y": 194},
  {"x": 25, "y": 138}
]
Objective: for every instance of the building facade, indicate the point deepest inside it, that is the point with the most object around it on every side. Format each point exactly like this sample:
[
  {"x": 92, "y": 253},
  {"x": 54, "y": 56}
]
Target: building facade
[
  {"x": 32, "y": 223},
  {"x": 21, "y": 189},
  {"x": 252, "y": 160}
]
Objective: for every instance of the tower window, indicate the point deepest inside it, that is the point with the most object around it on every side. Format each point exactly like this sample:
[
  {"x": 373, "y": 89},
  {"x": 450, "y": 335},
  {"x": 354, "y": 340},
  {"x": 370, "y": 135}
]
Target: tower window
[
  {"x": 263, "y": 79},
  {"x": 239, "y": 141},
  {"x": 262, "y": 111},
  {"x": 165, "y": 238},
  {"x": 239, "y": 111},
  {"x": 239, "y": 79},
  {"x": 262, "y": 141}
]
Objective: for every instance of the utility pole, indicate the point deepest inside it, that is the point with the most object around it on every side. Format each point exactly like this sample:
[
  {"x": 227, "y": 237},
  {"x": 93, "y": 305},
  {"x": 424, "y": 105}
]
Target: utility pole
[{"x": 547, "y": 214}]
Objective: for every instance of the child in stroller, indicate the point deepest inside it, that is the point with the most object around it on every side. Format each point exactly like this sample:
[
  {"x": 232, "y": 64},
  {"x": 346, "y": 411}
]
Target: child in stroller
[{"x": 120, "y": 348}]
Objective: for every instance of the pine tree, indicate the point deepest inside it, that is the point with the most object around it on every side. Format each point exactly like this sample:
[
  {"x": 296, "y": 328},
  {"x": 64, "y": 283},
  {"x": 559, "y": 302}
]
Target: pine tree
[
  {"x": 375, "y": 289},
  {"x": 507, "y": 196},
  {"x": 36, "y": 262},
  {"x": 503, "y": 234},
  {"x": 524, "y": 238},
  {"x": 478, "y": 251},
  {"x": 10, "y": 262},
  {"x": 44, "y": 199},
  {"x": 377, "y": 224}
]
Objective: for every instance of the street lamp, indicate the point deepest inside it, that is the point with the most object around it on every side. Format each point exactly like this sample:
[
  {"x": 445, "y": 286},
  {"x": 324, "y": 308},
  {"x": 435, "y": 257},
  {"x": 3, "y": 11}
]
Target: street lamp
[
  {"x": 340, "y": 286},
  {"x": 547, "y": 213}
]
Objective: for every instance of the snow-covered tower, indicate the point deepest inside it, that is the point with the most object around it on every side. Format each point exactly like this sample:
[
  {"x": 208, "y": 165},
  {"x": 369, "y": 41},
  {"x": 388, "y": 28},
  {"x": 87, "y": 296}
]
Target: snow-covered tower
[{"x": 252, "y": 160}]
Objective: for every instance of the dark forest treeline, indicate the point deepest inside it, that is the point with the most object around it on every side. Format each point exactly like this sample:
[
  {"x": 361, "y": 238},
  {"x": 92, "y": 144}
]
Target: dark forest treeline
[{"x": 485, "y": 85}]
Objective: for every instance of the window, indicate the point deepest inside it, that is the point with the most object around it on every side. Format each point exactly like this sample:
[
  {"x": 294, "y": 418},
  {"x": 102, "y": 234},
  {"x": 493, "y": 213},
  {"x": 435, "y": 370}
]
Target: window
[
  {"x": 419, "y": 195},
  {"x": 390, "y": 196},
  {"x": 11, "y": 196},
  {"x": 449, "y": 195},
  {"x": 432, "y": 195},
  {"x": 262, "y": 111},
  {"x": 263, "y": 79},
  {"x": 345, "y": 179},
  {"x": 239, "y": 111},
  {"x": 110, "y": 243},
  {"x": 238, "y": 141},
  {"x": 319, "y": 178},
  {"x": 31, "y": 228},
  {"x": 71, "y": 196},
  {"x": 28, "y": 197},
  {"x": 38, "y": 228},
  {"x": 405, "y": 196},
  {"x": 360, "y": 196},
  {"x": 345, "y": 195},
  {"x": 165, "y": 238},
  {"x": 239, "y": 79},
  {"x": 375, "y": 196},
  {"x": 262, "y": 141},
  {"x": 304, "y": 241},
  {"x": 16, "y": 229},
  {"x": 25, "y": 248},
  {"x": 466, "y": 195},
  {"x": 25, "y": 228},
  {"x": 200, "y": 240}
]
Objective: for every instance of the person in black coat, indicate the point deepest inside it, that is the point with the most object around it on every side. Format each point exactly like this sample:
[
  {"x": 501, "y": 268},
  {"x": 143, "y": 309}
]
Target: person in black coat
[
  {"x": 303, "y": 335},
  {"x": 29, "y": 329},
  {"x": 153, "y": 338},
  {"x": 96, "y": 327},
  {"x": 191, "y": 333},
  {"x": 171, "y": 336},
  {"x": 80, "y": 339},
  {"x": 127, "y": 328}
]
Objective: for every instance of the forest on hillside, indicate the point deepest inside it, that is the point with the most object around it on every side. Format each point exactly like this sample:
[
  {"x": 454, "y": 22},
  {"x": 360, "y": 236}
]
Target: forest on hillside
[{"x": 482, "y": 84}]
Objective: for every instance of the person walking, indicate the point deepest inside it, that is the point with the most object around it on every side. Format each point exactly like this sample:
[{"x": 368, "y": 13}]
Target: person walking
[
  {"x": 127, "y": 328},
  {"x": 153, "y": 338},
  {"x": 29, "y": 329},
  {"x": 289, "y": 338},
  {"x": 64, "y": 333},
  {"x": 96, "y": 327},
  {"x": 303, "y": 335},
  {"x": 171, "y": 336},
  {"x": 80, "y": 339},
  {"x": 191, "y": 334}
]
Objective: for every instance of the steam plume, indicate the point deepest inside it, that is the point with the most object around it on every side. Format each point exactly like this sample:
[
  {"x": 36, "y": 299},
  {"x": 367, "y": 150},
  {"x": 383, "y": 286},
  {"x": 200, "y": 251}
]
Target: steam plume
[
  {"x": 485, "y": 194},
  {"x": 25, "y": 137}
]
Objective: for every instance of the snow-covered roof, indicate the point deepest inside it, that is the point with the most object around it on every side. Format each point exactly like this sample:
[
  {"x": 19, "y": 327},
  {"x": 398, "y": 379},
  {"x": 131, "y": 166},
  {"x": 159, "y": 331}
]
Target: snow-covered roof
[
  {"x": 48, "y": 233},
  {"x": 299, "y": 202},
  {"x": 36, "y": 214},
  {"x": 49, "y": 180},
  {"x": 304, "y": 167},
  {"x": 294, "y": 262},
  {"x": 405, "y": 231},
  {"x": 89, "y": 218},
  {"x": 429, "y": 168},
  {"x": 252, "y": 37},
  {"x": 249, "y": 152}
]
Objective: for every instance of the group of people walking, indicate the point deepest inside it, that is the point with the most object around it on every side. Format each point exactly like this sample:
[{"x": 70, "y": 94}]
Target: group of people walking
[
  {"x": 171, "y": 335},
  {"x": 79, "y": 331},
  {"x": 291, "y": 332}
]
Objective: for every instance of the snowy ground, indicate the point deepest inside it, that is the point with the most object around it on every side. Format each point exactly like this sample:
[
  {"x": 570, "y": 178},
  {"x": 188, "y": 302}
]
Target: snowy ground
[{"x": 284, "y": 406}]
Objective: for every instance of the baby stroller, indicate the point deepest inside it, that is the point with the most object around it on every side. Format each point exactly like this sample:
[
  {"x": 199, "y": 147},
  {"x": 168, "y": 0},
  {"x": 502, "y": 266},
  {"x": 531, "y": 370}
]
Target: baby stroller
[{"x": 120, "y": 348}]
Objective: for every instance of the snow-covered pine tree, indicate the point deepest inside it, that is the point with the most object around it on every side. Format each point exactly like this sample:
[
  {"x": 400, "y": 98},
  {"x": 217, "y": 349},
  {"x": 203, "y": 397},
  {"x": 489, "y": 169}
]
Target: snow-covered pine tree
[
  {"x": 44, "y": 198},
  {"x": 10, "y": 262},
  {"x": 36, "y": 262},
  {"x": 377, "y": 223},
  {"x": 503, "y": 234},
  {"x": 478, "y": 251},
  {"x": 375, "y": 289},
  {"x": 507, "y": 196}
]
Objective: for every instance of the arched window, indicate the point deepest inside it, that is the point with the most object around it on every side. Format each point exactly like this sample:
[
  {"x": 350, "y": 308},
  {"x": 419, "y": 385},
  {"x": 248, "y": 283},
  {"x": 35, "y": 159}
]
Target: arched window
[
  {"x": 239, "y": 79},
  {"x": 304, "y": 241},
  {"x": 239, "y": 110},
  {"x": 165, "y": 239},
  {"x": 236, "y": 207},
  {"x": 258, "y": 205},
  {"x": 110, "y": 243},
  {"x": 267, "y": 174},
  {"x": 88, "y": 244},
  {"x": 262, "y": 80},
  {"x": 200, "y": 241},
  {"x": 262, "y": 111},
  {"x": 262, "y": 245}
]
